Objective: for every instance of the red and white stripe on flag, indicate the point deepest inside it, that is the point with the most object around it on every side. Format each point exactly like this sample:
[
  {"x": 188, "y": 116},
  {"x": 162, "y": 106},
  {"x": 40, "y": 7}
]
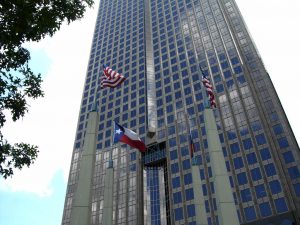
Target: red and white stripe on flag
[
  {"x": 111, "y": 78},
  {"x": 209, "y": 90}
]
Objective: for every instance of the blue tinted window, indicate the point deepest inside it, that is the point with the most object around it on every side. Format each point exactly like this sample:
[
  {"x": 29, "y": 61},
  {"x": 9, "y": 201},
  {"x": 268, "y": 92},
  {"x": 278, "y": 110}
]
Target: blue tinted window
[
  {"x": 251, "y": 158},
  {"x": 277, "y": 129},
  {"x": 231, "y": 135},
  {"x": 288, "y": 157},
  {"x": 178, "y": 214},
  {"x": 242, "y": 178},
  {"x": 265, "y": 209},
  {"x": 260, "y": 139},
  {"x": 297, "y": 189},
  {"x": 188, "y": 178},
  {"x": 260, "y": 191},
  {"x": 250, "y": 213},
  {"x": 172, "y": 142},
  {"x": 265, "y": 154},
  {"x": 234, "y": 61},
  {"x": 293, "y": 172},
  {"x": 177, "y": 197},
  {"x": 281, "y": 206},
  {"x": 132, "y": 156},
  {"x": 275, "y": 186},
  {"x": 238, "y": 163},
  {"x": 247, "y": 144},
  {"x": 174, "y": 168},
  {"x": 186, "y": 164},
  {"x": 191, "y": 210},
  {"x": 237, "y": 69},
  {"x": 204, "y": 189},
  {"x": 256, "y": 174},
  {"x": 189, "y": 194},
  {"x": 234, "y": 148},
  {"x": 283, "y": 142},
  {"x": 246, "y": 195},
  {"x": 176, "y": 182},
  {"x": 241, "y": 79},
  {"x": 220, "y": 88},
  {"x": 173, "y": 155},
  {"x": 214, "y": 69},
  {"x": 224, "y": 65},
  {"x": 227, "y": 74},
  {"x": 270, "y": 169},
  {"x": 184, "y": 151}
]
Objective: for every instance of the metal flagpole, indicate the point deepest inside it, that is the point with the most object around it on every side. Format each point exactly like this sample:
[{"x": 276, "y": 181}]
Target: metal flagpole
[
  {"x": 200, "y": 211},
  {"x": 107, "y": 218}
]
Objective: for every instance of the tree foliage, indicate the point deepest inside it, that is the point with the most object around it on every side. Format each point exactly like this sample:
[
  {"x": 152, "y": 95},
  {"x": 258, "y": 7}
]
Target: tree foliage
[{"x": 23, "y": 21}]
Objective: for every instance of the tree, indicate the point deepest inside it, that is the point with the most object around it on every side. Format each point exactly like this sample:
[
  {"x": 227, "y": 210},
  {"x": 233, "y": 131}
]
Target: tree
[{"x": 23, "y": 21}]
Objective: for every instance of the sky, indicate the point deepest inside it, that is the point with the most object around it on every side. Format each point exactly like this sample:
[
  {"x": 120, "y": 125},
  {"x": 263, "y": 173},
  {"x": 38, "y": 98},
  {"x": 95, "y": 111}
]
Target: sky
[{"x": 35, "y": 195}]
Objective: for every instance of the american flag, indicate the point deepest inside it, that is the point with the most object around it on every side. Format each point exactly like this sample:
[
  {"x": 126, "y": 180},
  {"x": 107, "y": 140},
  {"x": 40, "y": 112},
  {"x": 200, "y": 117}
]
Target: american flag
[
  {"x": 192, "y": 146},
  {"x": 208, "y": 86},
  {"x": 111, "y": 78}
]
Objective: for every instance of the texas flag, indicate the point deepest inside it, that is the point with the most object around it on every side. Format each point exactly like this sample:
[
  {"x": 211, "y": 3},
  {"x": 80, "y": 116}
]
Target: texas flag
[{"x": 128, "y": 137}]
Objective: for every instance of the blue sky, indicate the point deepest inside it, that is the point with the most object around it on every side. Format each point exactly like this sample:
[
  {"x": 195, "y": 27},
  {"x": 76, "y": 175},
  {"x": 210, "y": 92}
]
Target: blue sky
[{"x": 35, "y": 196}]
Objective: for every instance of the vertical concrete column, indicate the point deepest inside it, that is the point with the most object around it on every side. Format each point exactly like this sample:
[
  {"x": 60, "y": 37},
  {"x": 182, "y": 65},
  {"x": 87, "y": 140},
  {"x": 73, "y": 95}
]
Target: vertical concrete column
[
  {"x": 225, "y": 203},
  {"x": 198, "y": 195},
  {"x": 108, "y": 195},
  {"x": 151, "y": 94},
  {"x": 81, "y": 208}
]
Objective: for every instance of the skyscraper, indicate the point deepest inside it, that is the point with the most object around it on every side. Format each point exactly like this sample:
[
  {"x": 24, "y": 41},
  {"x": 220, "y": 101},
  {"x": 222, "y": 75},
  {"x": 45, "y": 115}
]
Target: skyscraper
[{"x": 160, "y": 46}]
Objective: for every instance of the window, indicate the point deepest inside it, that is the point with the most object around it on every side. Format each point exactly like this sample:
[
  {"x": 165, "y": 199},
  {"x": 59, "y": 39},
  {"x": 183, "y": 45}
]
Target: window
[
  {"x": 176, "y": 182},
  {"x": 260, "y": 139},
  {"x": 174, "y": 168},
  {"x": 247, "y": 144},
  {"x": 186, "y": 164},
  {"x": 288, "y": 157},
  {"x": 265, "y": 154},
  {"x": 280, "y": 205},
  {"x": 173, "y": 155},
  {"x": 297, "y": 189},
  {"x": 238, "y": 163},
  {"x": 265, "y": 209},
  {"x": 260, "y": 191},
  {"x": 242, "y": 178},
  {"x": 234, "y": 148},
  {"x": 250, "y": 213},
  {"x": 178, "y": 213},
  {"x": 246, "y": 195},
  {"x": 256, "y": 174},
  {"x": 275, "y": 186},
  {"x": 283, "y": 142},
  {"x": 188, "y": 178},
  {"x": 189, "y": 194},
  {"x": 277, "y": 129},
  {"x": 270, "y": 169},
  {"x": 177, "y": 197},
  {"x": 251, "y": 158},
  {"x": 293, "y": 172},
  {"x": 191, "y": 210}
]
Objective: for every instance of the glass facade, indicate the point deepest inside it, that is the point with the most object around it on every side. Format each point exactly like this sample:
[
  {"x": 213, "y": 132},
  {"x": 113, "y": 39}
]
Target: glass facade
[{"x": 160, "y": 46}]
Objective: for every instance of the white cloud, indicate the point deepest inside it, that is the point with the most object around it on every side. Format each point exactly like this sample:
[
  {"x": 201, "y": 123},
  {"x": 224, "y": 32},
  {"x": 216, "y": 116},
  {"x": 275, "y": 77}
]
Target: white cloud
[{"x": 51, "y": 121}]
